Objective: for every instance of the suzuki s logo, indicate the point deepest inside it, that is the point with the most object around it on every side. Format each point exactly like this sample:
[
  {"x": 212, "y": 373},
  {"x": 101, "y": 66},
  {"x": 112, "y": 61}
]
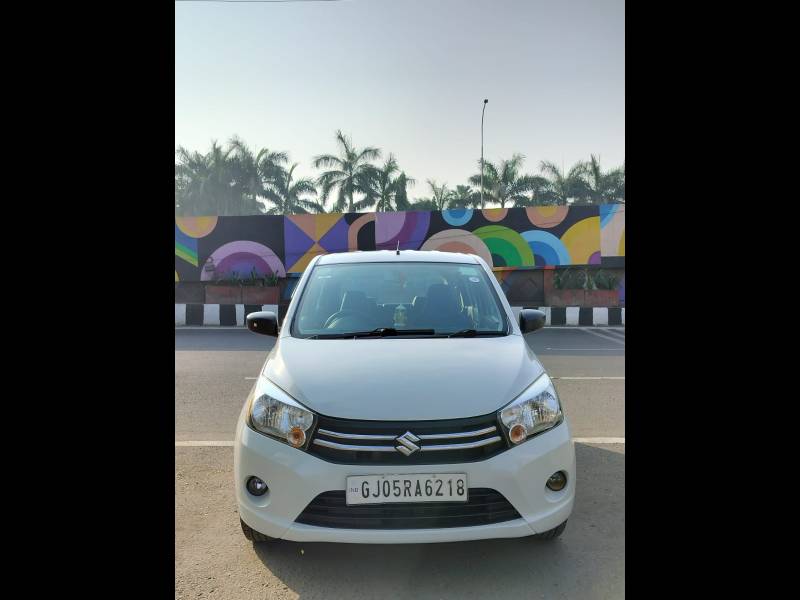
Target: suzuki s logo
[{"x": 407, "y": 445}]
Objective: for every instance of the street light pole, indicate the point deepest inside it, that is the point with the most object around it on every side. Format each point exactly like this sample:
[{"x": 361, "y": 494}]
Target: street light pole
[{"x": 485, "y": 100}]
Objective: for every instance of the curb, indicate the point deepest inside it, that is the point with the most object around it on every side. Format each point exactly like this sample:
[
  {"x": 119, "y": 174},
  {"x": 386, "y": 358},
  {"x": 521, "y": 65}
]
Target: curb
[
  {"x": 232, "y": 315},
  {"x": 579, "y": 316},
  {"x": 226, "y": 315}
]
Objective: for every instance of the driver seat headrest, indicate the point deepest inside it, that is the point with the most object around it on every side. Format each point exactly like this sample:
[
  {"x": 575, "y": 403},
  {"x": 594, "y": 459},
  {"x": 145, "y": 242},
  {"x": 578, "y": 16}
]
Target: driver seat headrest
[{"x": 355, "y": 301}]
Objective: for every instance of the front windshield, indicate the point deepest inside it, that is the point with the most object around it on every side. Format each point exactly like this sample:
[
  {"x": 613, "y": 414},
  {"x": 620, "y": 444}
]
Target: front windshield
[{"x": 408, "y": 297}]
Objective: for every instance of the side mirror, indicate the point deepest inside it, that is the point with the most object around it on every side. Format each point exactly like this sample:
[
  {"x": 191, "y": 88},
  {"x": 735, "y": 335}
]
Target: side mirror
[
  {"x": 263, "y": 322},
  {"x": 531, "y": 320}
]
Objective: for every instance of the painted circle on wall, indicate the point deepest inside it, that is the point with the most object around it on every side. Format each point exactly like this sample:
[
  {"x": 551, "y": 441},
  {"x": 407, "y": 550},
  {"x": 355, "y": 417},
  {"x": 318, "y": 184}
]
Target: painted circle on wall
[
  {"x": 547, "y": 249},
  {"x": 196, "y": 227},
  {"x": 494, "y": 215},
  {"x": 407, "y": 228},
  {"x": 458, "y": 240},
  {"x": 508, "y": 248},
  {"x": 242, "y": 257},
  {"x": 546, "y": 216},
  {"x": 582, "y": 240},
  {"x": 457, "y": 216}
]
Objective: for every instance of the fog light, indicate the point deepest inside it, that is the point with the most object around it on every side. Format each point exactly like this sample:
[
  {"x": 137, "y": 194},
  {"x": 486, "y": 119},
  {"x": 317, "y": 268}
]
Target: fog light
[
  {"x": 256, "y": 486},
  {"x": 557, "y": 481},
  {"x": 518, "y": 433},
  {"x": 296, "y": 437}
]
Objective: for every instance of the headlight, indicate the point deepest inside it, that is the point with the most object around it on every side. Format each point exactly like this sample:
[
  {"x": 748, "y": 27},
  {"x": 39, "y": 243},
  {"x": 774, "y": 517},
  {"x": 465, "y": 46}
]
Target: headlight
[
  {"x": 275, "y": 413},
  {"x": 536, "y": 409}
]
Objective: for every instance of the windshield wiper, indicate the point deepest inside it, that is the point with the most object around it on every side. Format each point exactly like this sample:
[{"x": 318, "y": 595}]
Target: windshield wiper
[
  {"x": 378, "y": 332},
  {"x": 474, "y": 332},
  {"x": 384, "y": 331}
]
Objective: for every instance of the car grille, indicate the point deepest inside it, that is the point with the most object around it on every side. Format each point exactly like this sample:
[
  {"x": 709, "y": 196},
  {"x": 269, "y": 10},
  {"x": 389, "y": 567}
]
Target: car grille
[
  {"x": 349, "y": 441},
  {"x": 483, "y": 507}
]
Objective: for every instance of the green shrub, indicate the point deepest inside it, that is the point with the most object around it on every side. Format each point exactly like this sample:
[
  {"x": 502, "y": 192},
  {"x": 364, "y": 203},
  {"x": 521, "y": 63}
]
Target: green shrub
[
  {"x": 582, "y": 278},
  {"x": 604, "y": 280},
  {"x": 570, "y": 279}
]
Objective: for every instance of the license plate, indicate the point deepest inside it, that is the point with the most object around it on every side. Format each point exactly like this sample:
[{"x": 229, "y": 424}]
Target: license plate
[{"x": 428, "y": 487}]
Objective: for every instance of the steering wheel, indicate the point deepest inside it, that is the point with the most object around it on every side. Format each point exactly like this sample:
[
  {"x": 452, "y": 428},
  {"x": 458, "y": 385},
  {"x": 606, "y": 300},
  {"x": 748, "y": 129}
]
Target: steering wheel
[{"x": 339, "y": 315}]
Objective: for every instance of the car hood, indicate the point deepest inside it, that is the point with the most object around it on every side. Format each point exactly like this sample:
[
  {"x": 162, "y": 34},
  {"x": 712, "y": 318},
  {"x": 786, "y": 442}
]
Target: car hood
[{"x": 403, "y": 378}]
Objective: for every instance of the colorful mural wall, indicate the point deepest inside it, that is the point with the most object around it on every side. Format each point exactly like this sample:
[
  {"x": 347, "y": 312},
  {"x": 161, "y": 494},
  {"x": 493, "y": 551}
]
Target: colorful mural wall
[{"x": 209, "y": 248}]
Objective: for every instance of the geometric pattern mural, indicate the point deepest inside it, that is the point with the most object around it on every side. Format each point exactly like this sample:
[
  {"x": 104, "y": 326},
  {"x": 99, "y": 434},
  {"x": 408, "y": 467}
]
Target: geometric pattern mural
[
  {"x": 188, "y": 231},
  {"x": 306, "y": 236},
  {"x": 209, "y": 248},
  {"x": 612, "y": 229}
]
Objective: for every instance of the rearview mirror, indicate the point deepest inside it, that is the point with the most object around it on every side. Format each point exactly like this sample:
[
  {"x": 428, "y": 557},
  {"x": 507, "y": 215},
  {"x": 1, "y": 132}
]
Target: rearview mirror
[
  {"x": 263, "y": 322},
  {"x": 531, "y": 319}
]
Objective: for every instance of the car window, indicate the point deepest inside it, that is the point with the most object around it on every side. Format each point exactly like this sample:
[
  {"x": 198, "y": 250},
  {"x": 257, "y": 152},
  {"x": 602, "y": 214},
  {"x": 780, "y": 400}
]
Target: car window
[{"x": 444, "y": 297}]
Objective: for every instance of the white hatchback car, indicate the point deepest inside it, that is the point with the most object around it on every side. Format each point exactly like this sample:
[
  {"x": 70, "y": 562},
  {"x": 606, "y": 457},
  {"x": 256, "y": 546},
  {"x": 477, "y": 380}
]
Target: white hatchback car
[{"x": 401, "y": 403}]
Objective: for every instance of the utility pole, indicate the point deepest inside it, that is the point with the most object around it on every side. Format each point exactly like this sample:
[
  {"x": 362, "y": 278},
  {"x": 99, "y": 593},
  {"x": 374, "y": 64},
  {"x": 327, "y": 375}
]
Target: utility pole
[{"x": 485, "y": 101}]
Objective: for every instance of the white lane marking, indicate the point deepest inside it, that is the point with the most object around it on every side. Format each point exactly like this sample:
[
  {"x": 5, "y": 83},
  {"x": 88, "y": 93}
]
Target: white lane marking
[
  {"x": 615, "y": 334},
  {"x": 206, "y": 444},
  {"x": 605, "y": 336},
  {"x": 217, "y": 443},
  {"x": 211, "y": 328},
  {"x": 251, "y": 377},
  {"x": 588, "y": 378},
  {"x": 582, "y": 327},
  {"x": 583, "y": 349}
]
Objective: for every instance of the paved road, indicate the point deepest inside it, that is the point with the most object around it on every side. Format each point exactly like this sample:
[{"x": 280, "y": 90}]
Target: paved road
[{"x": 213, "y": 374}]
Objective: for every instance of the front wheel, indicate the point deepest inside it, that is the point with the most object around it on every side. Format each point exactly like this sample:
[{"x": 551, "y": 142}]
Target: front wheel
[
  {"x": 551, "y": 534},
  {"x": 253, "y": 535}
]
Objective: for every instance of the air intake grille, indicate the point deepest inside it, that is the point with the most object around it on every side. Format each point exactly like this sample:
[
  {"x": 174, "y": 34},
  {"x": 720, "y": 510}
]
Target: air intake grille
[{"x": 484, "y": 507}]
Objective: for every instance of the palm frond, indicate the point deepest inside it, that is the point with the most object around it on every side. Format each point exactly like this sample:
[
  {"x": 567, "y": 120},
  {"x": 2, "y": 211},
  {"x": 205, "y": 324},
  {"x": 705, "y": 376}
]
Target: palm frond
[
  {"x": 368, "y": 153},
  {"x": 327, "y": 160}
]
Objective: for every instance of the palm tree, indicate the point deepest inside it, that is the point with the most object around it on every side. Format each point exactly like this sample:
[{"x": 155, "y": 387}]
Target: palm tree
[
  {"x": 350, "y": 173},
  {"x": 423, "y": 204},
  {"x": 224, "y": 181},
  {"x": 539, "y": 193},
  {"x": 191, "y": 171},
  {"x": 563, "y": 187},
  {"x": 602, "y": 188},
  {"x": 402, "y": 182},
  {"x": 442, "y": 197},
  {"x": 383, "y": 189},
  {"x": 286, "y": 193},
  {"x": 464, "y": 197},
  {"x": 504, "y": 184},
  {"x": 204, "y": 182},
  {"x": 621, "y": 184},
  {"x": 252, "y": 172}
]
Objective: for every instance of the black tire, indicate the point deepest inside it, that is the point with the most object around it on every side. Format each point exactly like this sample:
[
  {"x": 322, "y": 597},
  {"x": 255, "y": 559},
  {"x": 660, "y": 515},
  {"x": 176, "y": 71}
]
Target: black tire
[
  {"x": 254, "y": 536},
  {"x": 551, "y": 534}
]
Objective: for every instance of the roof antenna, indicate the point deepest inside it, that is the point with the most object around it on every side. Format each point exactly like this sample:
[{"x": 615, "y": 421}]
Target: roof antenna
[{"x": 398, "y": 247}]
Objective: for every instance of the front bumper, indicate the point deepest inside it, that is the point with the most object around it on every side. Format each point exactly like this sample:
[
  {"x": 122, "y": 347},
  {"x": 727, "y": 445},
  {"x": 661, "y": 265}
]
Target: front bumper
[{"x": 295, "y": 478}]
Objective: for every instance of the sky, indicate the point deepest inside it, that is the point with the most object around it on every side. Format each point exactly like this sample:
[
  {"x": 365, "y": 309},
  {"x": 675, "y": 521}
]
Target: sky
[{"x": 407, "y": 76}]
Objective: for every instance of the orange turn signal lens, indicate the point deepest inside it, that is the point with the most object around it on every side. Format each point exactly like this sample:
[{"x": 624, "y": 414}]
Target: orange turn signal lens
[
  {"x": 296, "y": 437},
  {"x": 518, "y": 433}
]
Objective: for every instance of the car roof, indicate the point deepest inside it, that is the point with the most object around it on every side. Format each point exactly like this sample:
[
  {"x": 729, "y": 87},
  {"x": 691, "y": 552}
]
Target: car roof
[{"x": 370, "y": 256}]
